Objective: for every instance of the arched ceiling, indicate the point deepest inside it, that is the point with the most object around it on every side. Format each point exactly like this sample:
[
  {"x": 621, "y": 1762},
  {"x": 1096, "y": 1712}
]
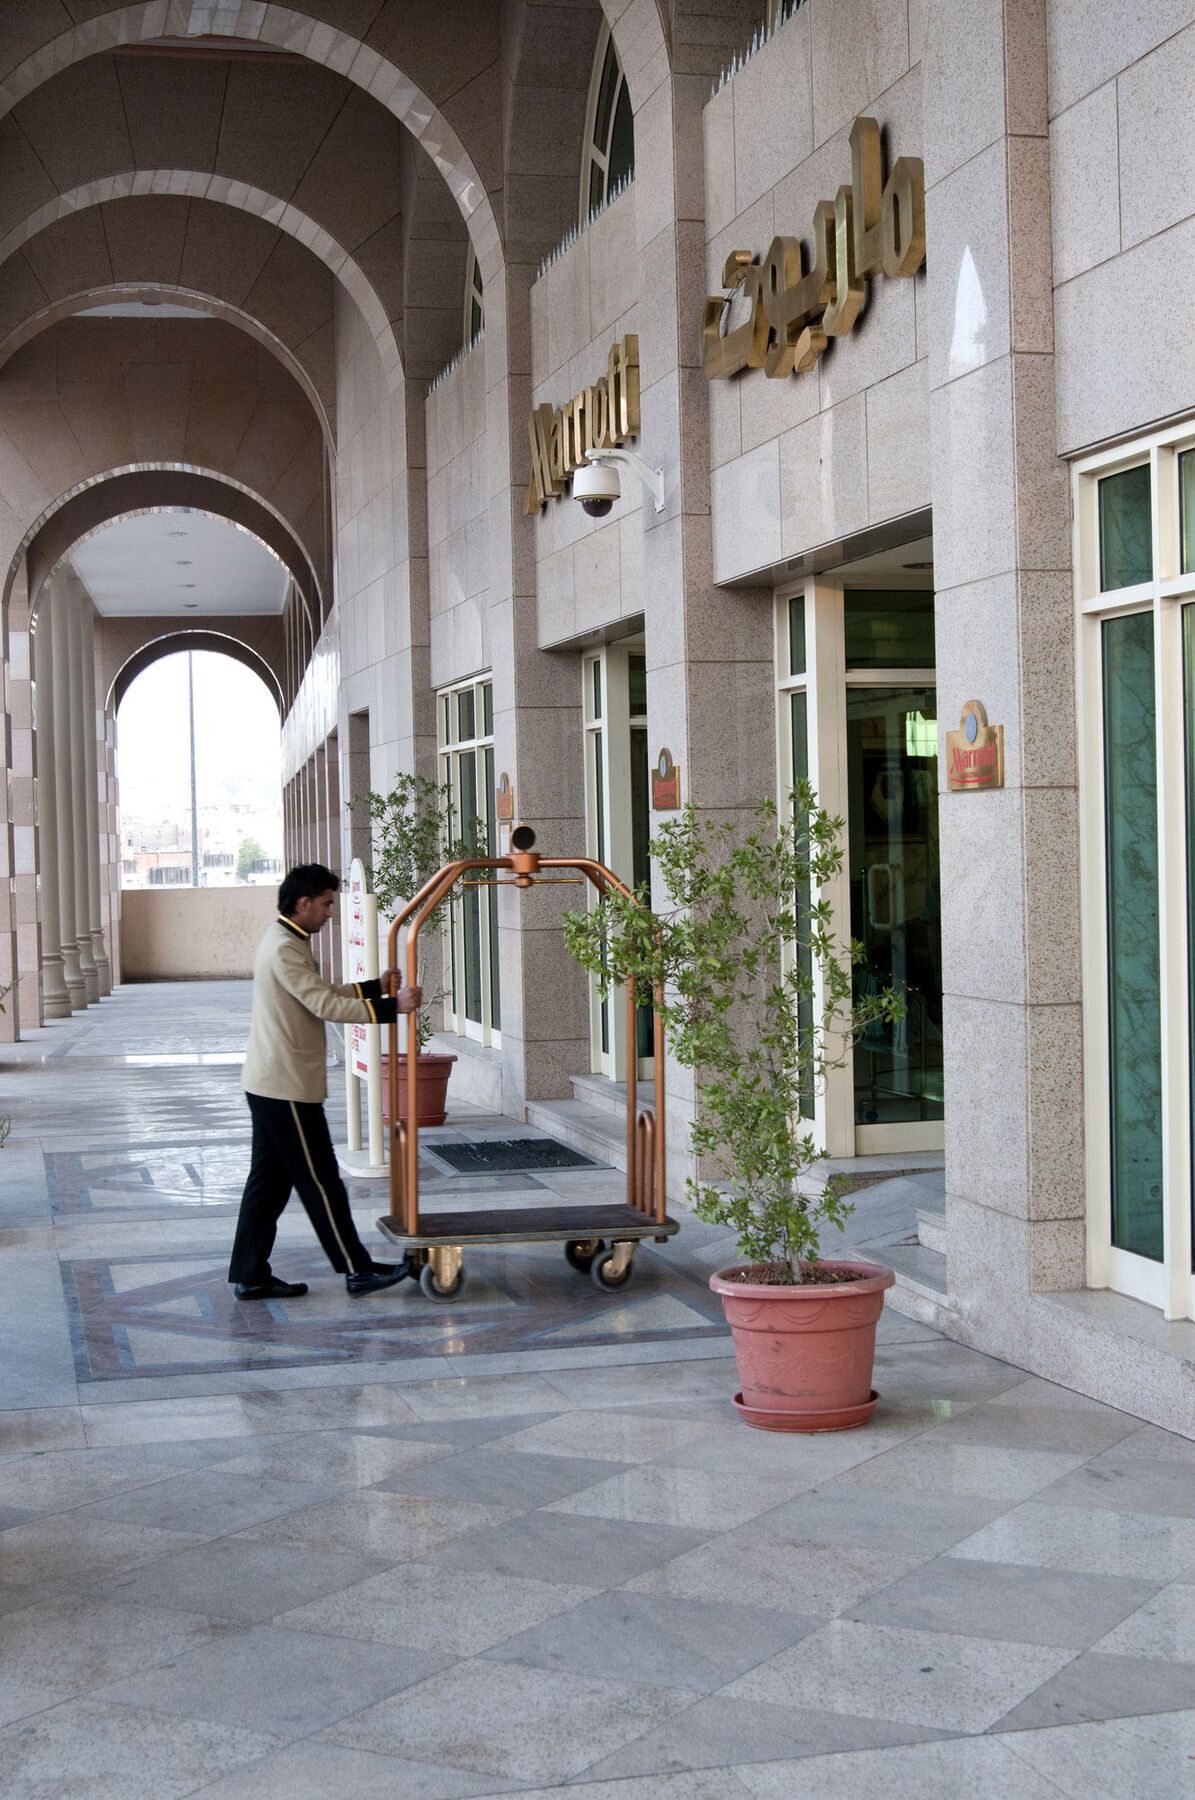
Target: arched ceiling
[
  {"x": 177, "y": 561},
  {"x": 231, "y": 263},
  {"x": 258, "y": 649}
]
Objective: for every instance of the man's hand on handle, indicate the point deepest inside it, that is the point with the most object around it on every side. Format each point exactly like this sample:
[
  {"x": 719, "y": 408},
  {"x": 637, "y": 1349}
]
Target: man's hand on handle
[{"x": 409, "y": 998}]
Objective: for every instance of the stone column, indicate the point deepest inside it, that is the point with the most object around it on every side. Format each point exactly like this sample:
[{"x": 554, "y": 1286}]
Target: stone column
[
  {"x": 91, "y": 728},
  {"x": 56, "y": 603},
  {"x": 24, "y": 1006},
  {"x": 1010, "y": 859},
  {"x": 56, "y": 999},
  {"x": 78, "y": 794}
]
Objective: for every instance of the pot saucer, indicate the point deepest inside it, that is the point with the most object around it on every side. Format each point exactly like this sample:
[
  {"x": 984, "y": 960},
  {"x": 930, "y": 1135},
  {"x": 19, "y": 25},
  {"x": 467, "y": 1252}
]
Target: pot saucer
[{"x": 837, "y": 1418}]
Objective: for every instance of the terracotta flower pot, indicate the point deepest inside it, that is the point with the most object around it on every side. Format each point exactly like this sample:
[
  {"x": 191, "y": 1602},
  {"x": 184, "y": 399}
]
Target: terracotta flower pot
[
  {"x": 431, "y": 1091},
  {"x": 805, "y": 1353}
]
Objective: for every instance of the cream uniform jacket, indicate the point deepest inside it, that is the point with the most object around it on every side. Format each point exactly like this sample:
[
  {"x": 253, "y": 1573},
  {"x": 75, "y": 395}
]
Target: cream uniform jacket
[{"x": 291, "y": 1000}]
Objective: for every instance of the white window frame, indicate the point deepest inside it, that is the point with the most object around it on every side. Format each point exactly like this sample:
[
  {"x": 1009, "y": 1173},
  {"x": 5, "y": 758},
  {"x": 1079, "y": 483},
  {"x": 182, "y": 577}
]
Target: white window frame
[
  {"x": 451, "y": 750},
  {"x": 825, "y": 681},
  {"x": 608, "y": 835},
  {"x": 592, "y": 153},
  {"x": 1169, "y": 1284}
]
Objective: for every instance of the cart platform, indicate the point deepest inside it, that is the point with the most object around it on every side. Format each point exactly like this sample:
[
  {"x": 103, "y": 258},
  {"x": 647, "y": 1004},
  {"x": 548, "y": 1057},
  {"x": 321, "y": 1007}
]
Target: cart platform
[{"x": 599, "y": 1241}]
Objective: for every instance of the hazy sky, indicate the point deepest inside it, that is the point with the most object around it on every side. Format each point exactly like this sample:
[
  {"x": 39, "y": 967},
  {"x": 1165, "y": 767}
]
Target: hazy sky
[{"x": 237, "y": 744}]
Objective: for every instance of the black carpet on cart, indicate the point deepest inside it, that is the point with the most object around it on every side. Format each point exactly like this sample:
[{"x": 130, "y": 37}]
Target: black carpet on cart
[{"x": 498, "y": 1155}]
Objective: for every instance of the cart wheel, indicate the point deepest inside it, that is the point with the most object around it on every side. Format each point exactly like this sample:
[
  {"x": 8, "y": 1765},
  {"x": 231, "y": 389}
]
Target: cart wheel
[
  {"x": 602, "y": 1274},
  {"x": 579, "y": 1254},
  {"x": 432, "y": 1288}
]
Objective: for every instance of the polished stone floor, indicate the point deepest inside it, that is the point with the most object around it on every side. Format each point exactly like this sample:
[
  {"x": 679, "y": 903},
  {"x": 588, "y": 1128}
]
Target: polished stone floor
[{"x": 521, "y": 1543}]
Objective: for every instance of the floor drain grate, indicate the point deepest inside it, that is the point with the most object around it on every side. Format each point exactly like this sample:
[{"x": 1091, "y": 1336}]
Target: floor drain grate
[{"x": 503, "y": 1154}]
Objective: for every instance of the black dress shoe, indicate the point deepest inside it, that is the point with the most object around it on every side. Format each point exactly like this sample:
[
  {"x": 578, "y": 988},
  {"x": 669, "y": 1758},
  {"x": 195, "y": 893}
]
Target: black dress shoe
[
  {"x": 381, "y": 1275},
  {"x": 270, "y": 1289}
]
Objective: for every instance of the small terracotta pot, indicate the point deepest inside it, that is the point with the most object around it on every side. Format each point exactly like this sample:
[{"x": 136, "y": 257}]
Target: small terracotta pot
[
  {"x": 430, "y": 1093},
  {"x": 805, "y": 1354}
]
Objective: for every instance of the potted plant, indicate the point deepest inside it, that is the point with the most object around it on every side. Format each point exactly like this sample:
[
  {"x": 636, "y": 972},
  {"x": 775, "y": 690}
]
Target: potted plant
[
  {"x": 411, "y": 829},
  {"x": 756, "y": 994}
]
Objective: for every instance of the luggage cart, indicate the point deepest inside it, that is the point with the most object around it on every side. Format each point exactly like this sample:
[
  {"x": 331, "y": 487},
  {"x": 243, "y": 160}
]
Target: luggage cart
[{"x": 598, "y": 1240}]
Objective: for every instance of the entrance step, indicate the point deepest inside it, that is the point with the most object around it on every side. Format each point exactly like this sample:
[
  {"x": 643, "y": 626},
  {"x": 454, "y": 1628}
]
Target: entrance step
[
  {"x": 611, "y": 1096},
  {"x": 590, "y": 1129},
  {"x": 931, "y": 1228},
  {"x": 920, "y": 1291}
]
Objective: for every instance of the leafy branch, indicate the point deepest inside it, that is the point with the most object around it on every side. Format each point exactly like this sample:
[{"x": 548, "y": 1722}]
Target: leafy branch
[{"x": 754, "y": 989}]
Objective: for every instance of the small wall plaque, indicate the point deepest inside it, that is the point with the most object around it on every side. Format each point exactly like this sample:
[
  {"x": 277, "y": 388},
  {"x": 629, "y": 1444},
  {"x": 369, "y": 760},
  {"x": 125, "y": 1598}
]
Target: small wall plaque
[
  {"x": 665, "y": 784},
  {"x": 975, "y": 752},
  {"x": 504, "y": 812}
]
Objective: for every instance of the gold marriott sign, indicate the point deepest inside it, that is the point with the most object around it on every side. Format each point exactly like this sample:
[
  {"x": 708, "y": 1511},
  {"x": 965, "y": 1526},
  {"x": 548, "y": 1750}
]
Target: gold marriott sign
[
  {"x": 870, "y": 227},
  {"x": 598, "y": 418}
]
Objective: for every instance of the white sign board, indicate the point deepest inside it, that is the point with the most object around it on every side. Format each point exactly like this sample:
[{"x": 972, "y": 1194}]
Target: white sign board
[{"x": 362, "y": 960}]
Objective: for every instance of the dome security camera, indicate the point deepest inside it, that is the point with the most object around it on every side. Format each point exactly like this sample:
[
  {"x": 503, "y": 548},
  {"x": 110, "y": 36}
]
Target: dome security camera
[{"x": 596, "y": 486}]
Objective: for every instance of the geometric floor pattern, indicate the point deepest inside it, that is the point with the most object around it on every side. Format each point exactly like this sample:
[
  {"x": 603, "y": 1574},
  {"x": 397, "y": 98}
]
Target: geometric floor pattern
[{"x": 355, "y": 1554}]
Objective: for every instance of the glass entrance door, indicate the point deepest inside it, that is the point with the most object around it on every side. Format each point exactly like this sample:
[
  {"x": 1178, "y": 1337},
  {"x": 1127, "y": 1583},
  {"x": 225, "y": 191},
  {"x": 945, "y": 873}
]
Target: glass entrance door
[{"x": 892, "y": 751}]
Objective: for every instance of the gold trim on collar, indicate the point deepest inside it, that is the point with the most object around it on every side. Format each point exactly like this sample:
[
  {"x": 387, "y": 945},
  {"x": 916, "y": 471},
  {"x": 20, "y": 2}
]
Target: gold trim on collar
[{"x": 291, "y": 926}]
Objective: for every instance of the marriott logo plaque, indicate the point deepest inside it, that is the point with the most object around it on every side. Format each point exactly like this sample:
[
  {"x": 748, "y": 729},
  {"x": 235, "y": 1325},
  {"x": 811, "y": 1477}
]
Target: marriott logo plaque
[
  {"x": 600, "y": 417},
  {"x": 975, "y": 752}
]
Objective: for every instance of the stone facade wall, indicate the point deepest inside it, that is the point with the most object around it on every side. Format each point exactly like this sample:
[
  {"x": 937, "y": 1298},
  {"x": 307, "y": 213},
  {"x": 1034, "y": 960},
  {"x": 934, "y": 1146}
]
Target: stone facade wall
[
  {"x": 193, "y": 934},
  {"x": 809, "y": 459},
  {"x": 459, "y": 570}
]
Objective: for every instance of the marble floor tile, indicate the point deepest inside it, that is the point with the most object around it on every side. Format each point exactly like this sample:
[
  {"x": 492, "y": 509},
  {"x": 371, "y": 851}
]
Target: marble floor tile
[
  {"x": 500, "y": 1718},
  {"x": 707, "y": 1499},
  {"x": 979, "y": 1767},
  {"x": 819, "y": 1579},
  {"x": 842, "y": 1512},
  {"x": 237, "y": 1579},
  {"x": 1155, "y": 1445},
  {"x": 547, "y": 1546},
  {"x": 1148, "y": 1546},
  {"x": 114, "y": 1753},
  {"x": 465, "y": 1399},
  {"x": 607, "y": 1436},
  {"x": 1120, "y": 1482},
  {"x": 463, "y": 1434},
  {"x": 284, "y": 1682},
  {"x": 436, "y": 1609},
  {"x": 1164, "y": 1626},
  {"x": 1010, "y": 1601},
  {"x": 502, "y": 1478},
  {"x": 42, "y": 1428},
  {"x": 698, "y": 1645},
  {"x": 67, "y": 1549},
  {"x": 20, "y": 1698},
  {"x": 312, "y": 1771},
  {"x": 713, "y": 1378},
  {"x": 943, "y": 1679},
  {"x": 209, "y": 1502},
  {"x": 394, "y": 1526},
  {"x": 52, "y": 1481},
  {"x": 334, "y": 1459},
  {"x": 1097, "y": 1685},
  {"x": 1001, "y": 1424},
  {"x": 932, "y": 1464},
  {"x": 803, "y": 1460},
  {"x": 697, "y": 1784},
  {"x": 715, "y": 1730},
  {"x": 78, "y": 1643},
  {"x": 1147, "y": 1758}
]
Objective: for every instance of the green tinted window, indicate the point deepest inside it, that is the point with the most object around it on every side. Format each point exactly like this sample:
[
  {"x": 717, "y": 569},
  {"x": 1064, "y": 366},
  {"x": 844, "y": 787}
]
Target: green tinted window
[
  {"x": 1134, "y": 993},
  {"x": 1126, "y": 549},
  {"x": 889, "y": 630},
  {"x": 637, "y": 682},
  {"x": 1186, "y": 509},
  {"x": 796, "y": 635}
]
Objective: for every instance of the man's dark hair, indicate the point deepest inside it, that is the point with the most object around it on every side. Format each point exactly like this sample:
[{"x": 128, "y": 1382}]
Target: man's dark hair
[{"x": 306, "y": 882}]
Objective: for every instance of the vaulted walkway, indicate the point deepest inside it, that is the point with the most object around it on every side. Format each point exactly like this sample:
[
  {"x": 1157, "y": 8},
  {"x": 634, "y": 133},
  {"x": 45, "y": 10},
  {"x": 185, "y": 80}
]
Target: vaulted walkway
[{"x": 521, "y": 1541}]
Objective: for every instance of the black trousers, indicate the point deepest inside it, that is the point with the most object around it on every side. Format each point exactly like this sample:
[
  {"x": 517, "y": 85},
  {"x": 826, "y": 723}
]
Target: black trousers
[{"x": 292, "y": 1148}]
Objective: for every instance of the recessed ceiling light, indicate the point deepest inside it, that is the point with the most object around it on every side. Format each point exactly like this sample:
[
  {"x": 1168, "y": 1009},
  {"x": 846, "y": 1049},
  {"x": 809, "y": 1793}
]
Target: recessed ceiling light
[
  {"x": 183, "y": 562},
  {"x": 176, "y": 534},
  {"x": 187, "y": 584},
  {"x": 920, "y": 565},
  {"x": 191, "y": 605}
]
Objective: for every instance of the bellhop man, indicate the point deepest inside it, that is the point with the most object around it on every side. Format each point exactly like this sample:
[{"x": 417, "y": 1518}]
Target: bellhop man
[{"x": 286, "y": 1085}]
